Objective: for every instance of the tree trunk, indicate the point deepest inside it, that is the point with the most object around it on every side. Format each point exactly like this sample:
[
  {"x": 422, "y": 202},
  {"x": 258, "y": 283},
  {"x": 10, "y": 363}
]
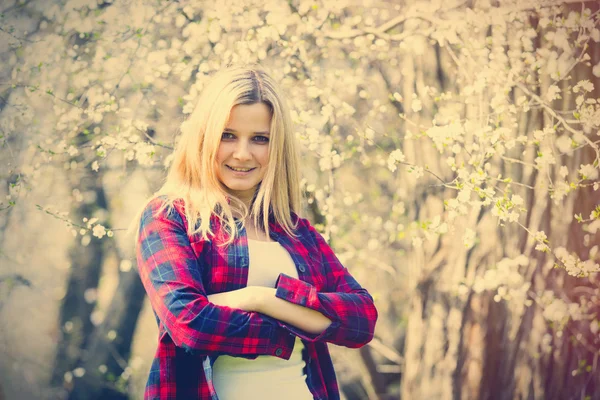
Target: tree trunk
[
  {"x": 86, "y": 266},
  {"x": 110, "y": 344},
  {"x": 469, "y": 346}
]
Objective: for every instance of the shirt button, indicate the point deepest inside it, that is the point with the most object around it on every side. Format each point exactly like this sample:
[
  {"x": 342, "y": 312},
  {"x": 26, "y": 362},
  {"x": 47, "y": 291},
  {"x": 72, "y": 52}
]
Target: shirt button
[
  {"x": 278, "y": 352},
  {"x": 301, "y": 268}
]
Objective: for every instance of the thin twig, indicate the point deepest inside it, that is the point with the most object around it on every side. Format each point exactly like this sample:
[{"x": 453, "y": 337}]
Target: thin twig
[
  {"x": 132, "y": 56},
  {"x": 564, "y": 123},
  {"x": 153, "y": 141}
]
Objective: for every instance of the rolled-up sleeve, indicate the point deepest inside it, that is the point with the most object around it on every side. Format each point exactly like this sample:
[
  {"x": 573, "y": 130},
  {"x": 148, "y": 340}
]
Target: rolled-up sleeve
[
  {"x": 171, "y": 274},
  {"x": 349, "y": 306}
]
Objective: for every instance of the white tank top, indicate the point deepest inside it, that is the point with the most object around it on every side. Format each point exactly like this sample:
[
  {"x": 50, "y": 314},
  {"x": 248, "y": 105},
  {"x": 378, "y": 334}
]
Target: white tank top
[{"x": 266, "y": 377}]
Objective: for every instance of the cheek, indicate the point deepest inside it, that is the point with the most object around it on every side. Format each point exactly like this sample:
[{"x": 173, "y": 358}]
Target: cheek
[
  {"x": 264, "y": 157},
  {"x": 221, "y": 152}
]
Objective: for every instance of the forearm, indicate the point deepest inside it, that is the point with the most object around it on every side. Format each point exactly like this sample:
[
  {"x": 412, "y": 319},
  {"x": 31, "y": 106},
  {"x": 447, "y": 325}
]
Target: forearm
[
  {"x": 301, "y": 317},
  {"x": 262, "y": 299},
  {"x": 171, "y": 272},
  {"x": 203, "y": 328},
  {"x": 349, "y": 307},
  {"x": 240, "y": 298}
]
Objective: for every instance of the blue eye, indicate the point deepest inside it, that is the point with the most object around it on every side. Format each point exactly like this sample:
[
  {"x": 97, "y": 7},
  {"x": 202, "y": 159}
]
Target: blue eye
[
  {"x": 260, "y": 138},
  {"x": 227, "y": 135}
]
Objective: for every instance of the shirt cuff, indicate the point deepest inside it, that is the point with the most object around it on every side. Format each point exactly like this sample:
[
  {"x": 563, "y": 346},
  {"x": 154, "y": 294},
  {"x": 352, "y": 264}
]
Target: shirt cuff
[
  {"x": 281, "y": 342},
  {"x": 296, "y": 291},
  {"x": 306, "y": 295}
]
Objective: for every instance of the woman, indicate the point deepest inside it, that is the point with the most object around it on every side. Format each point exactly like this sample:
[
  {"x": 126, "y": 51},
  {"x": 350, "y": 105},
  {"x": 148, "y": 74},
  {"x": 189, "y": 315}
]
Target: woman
[{"x": 246, "y": 293}]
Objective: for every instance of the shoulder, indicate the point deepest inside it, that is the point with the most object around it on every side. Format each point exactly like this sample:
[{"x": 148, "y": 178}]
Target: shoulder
[
  {"x": 304, "y": 230},
  {"x": 164, "y": 208},
  {"x": 302, "y": 224}
]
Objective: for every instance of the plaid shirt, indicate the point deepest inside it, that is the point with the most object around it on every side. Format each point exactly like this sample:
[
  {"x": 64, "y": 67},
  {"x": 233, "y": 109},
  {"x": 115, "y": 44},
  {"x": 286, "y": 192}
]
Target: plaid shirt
[{"x": 178, "y": 272}]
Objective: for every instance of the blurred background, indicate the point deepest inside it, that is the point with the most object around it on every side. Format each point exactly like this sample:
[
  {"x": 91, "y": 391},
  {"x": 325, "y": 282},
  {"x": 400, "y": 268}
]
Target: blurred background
[{"x": 450, "y": 154}]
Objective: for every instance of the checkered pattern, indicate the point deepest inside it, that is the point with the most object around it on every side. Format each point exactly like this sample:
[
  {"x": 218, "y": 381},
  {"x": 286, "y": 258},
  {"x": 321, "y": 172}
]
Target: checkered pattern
[{"x": 179, "y": 271}]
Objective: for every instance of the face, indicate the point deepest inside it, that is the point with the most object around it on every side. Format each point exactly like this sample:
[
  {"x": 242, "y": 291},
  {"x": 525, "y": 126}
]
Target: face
[{"x": 243, "y": 152}]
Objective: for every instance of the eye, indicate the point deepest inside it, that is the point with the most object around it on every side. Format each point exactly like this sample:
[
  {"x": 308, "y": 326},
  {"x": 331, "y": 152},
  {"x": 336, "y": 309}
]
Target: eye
[
  {"x": 261, "y": 139},
  {"x": 227, "y": 135}
]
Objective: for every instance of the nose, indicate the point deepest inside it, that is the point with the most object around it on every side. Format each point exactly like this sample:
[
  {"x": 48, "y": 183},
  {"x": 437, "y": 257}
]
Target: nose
[{"x": 242, "y": 151}]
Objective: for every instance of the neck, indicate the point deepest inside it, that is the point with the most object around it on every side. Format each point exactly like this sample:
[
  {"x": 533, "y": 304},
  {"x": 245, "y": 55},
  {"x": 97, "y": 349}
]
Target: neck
[
  {"x": 254, "y": 232},
  {"x": 245, "y": 197}
]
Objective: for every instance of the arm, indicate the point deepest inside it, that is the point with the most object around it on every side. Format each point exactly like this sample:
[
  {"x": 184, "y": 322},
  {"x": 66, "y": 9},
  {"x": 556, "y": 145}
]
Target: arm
[
  {"x": 349, "y": 307},
  {"x": 172, "y": 278},
  {"x": 263, "y": 300}
]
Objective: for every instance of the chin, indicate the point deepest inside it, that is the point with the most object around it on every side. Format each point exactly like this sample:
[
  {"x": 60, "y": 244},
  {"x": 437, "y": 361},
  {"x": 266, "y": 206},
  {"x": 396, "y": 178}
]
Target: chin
[
  {"x": 234, "y": 186},
  {"x": 240, "y": 188}
]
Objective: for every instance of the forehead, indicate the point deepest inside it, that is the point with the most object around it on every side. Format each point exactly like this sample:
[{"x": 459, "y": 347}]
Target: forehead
[{"x": 249, "y": 117}]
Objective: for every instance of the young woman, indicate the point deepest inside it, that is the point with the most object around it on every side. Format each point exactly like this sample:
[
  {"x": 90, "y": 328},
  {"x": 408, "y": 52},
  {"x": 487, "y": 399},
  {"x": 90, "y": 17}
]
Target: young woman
[{"x": 246, "y": 293}]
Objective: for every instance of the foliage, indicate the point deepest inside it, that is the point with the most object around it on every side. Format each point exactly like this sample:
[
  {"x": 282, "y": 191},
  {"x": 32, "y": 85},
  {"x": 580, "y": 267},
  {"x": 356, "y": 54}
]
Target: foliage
[{"x": 397, "y": 162}]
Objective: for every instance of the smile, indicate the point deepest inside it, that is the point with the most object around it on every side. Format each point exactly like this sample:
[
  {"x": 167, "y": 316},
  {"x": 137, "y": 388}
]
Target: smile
[{"x": 240, "y": 169}]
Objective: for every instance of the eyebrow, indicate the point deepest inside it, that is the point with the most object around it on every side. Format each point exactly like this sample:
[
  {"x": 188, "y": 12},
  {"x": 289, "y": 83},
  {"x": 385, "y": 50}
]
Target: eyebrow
[{"x": 257, "y": 133}]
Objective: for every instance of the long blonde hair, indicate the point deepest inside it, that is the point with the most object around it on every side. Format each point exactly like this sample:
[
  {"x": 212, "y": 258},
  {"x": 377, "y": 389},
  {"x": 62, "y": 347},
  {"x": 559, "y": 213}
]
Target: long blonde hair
[{"x": 192, "y": 174}]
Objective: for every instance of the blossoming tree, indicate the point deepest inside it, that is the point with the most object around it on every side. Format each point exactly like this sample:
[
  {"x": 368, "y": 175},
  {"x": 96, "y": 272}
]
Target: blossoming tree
[{"x": 452, "y": 158}]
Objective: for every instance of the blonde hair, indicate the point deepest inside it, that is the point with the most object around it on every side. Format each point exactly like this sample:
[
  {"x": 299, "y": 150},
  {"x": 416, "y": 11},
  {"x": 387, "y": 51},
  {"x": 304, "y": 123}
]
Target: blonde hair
[{"x": 192, "y": 174}]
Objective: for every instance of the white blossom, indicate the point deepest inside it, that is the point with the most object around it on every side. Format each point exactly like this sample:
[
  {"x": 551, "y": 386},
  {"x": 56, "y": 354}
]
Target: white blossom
[
  {"x": 516, "y": 200},
  {"x": 73, "y": 151},
  {"x": 563, "y": 171},
  {"x": 416, "y": 171},
  {"x": 584, "y": 85},
  {"x": 99, "y": 231},
  {"x": 573, "y": 265},
  {"x": 394, "y": 157},
  {"x": 588, "y": 171},
  {"x": 416, "y": 105},
  {"x": 557, "y": 311},
  {"x": 552, "y": 93}
]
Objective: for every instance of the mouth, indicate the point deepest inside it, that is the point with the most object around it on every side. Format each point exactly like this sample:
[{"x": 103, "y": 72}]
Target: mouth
[{"x": 240, "y": 169}]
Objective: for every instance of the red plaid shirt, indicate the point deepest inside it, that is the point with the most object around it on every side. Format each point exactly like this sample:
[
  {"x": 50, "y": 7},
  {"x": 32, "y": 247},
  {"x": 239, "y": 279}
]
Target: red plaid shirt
[{"x": 179, "y": 271}]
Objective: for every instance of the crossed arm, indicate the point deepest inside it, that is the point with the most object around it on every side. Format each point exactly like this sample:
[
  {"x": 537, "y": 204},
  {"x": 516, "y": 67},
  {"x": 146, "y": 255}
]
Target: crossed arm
[
  {"x": 263, "y": 300},
  {"x": 343, "y": 314},
  {"x": 224, "y": 322}
]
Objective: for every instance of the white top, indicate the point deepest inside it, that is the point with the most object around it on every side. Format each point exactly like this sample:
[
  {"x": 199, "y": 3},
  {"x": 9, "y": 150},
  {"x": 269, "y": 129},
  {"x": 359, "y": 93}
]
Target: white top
[{"x": 266, "y": 377}]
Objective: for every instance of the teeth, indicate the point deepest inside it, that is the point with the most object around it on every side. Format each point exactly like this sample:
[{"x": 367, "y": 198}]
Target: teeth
[{"x": 240, "y": 169}]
